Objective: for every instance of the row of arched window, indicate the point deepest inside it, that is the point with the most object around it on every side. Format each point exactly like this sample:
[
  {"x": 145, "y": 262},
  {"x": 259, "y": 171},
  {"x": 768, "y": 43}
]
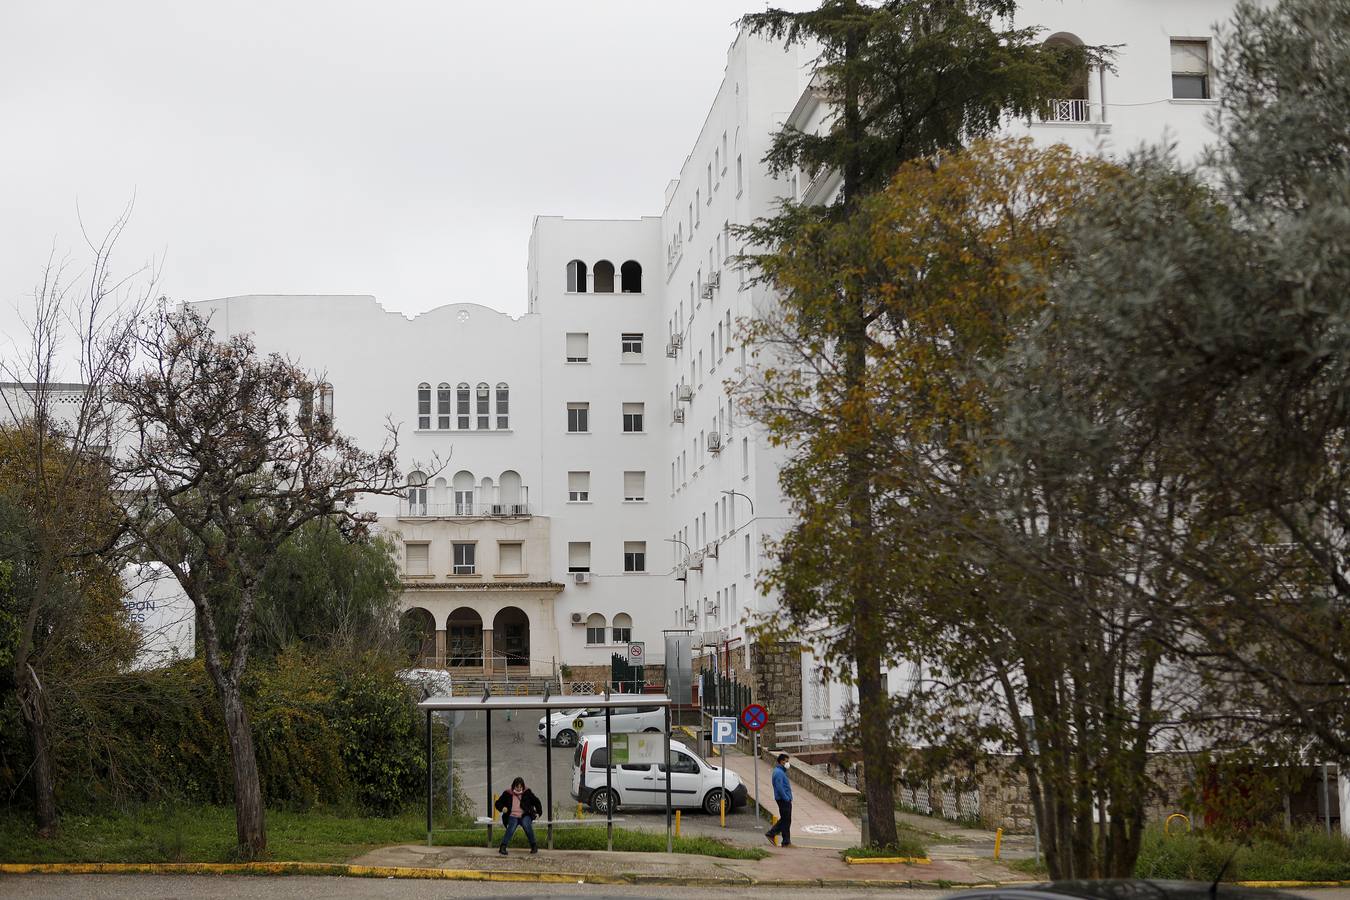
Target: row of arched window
[
  {"x": 463, "y": 408},
  {"x": 621, "y": 632},
  {"x": 465, "y": 495},
  {"x": 602, "y": 280}
]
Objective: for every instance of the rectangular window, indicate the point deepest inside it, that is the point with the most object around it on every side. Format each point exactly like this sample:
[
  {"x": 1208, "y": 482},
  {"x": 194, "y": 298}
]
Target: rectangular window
[
  {"x": 418, "y": 559},
  {"x": 635, "y": 485},
  {"x": 632, "y": 418},
  {"x": 623, "y": 634},
  {"x": 579, "y": 556},
  {"x": 1190, "y": 70},
  {"x": 740, "y": 175},
  {"x": 443, "y": 406},
  {"x": 698, "y": 207},
  {"x": 503, "y": 407},
  {"x": 747, "y": 554},
  {"x": 464, "y": 503},
  {"x": 578, "y": 487},
  {"x": 578, "y": 346},
  {"x": 462, "y": 407},
  {"x": 578, "y": 416},
  {"x": 595, "y": 634},
  {"x": 745, "y": 457},
  {"x": 631, "y": 345},
  {"x": 484, "y": 398},
  {"x": 511, "y": 559},
  {"x": 424, "y": 407},
  {"x": 464, "y": 554},
  {"x": 635, "y": 556},
  {"x": 710, "y": 192}
]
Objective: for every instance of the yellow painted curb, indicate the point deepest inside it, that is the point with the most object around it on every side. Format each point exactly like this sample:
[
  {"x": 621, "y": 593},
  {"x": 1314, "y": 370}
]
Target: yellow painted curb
[
  {"x": 302, "y": 868},
  {"x": 879, "y": 860},
  {"x": 1291, "y": 884}
]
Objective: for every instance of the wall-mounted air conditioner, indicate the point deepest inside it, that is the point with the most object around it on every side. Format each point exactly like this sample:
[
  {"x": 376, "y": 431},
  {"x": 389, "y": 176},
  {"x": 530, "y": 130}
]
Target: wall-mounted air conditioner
[
  {"x": 677, "y": 415},
  {"x": 706, "y": 293},
  {"x": 710, "y": 551},
  {"x": 672, "y": 350},
  {"x": 715, "y": 280},
  {"x": 677, "y": 341},
  {"x": 581, "y": 577},
  {"x": 681, "y": 573},
  {"x": 696, "y": 560},
  {"x": 714, "y": 442},
  {"x": 684, "y": 392},
  {"x": 578, "y": 619}
]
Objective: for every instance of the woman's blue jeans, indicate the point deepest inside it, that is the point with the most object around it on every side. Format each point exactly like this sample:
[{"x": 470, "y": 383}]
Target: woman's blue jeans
[{"x": 524, "y": 822}]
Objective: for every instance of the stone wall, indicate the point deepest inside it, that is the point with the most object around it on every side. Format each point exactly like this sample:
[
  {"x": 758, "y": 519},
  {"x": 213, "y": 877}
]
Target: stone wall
[
  {"x": 776, "y": 676},
  {"x": 598, "y": 677}
]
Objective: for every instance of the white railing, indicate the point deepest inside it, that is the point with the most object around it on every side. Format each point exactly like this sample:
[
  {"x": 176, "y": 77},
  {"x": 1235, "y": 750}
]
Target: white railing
[
  {"x": 408, "y": 509},
  {"x": 1068, "y": 111},
  {"x": 800, "y": 735}
]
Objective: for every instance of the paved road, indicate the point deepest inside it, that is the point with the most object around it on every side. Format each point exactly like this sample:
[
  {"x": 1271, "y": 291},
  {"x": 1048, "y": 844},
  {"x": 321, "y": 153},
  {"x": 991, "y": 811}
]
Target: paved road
[
  {"x": 296, "y": 887},
  {"x": 517, "y": 750}
]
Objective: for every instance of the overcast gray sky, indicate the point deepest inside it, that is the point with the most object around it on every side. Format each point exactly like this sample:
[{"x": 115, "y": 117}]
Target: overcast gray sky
[{"x": 398, "y": 148}]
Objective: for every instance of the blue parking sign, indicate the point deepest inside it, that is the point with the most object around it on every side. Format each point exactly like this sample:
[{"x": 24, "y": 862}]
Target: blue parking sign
[{"x": 724, "y": 730}]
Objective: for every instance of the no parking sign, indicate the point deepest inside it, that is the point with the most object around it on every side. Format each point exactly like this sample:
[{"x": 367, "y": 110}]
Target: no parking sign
[{"x": 637, "y": 654}]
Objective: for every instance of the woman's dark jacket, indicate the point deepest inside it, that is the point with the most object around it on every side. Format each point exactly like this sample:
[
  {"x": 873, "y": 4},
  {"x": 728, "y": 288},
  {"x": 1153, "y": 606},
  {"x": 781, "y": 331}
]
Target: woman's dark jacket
[{"x": 529, "y": 804}]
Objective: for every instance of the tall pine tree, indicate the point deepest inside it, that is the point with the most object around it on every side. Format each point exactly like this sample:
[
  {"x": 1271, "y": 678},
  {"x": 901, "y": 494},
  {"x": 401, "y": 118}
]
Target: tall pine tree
[{"x": 905, "y": 79}]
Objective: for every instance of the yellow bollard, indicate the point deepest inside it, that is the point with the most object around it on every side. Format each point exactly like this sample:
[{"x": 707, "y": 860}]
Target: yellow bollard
[
  {"x": 677, "y": 823},
  {"x": 723, "y": 808},
  {"x": 998, "y": 842},
  {"x": 578, "y": 810}
]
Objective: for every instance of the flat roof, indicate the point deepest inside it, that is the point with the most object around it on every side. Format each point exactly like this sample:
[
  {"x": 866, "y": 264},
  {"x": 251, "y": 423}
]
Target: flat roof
[{"x": 538, "y": 701}]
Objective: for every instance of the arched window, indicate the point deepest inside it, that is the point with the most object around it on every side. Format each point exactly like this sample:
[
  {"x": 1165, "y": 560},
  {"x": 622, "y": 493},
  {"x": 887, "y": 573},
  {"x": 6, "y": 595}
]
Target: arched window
[
  {"x": 463, "y": 487},
  {"x": 510, "y": 488},
  {"x": 443, "y": 405},
  {"x": 1072, "y": 103},
  {"x": 424, "y": 406},
  {"x": 595, "y": 629},
  {"x": 604, "y": 277},
  {"x": 576, "y": 277},
  {"x": 462, "y": 406},
  {"x": 483, "y": 395},
  {"x": 503, "y": 406},
  {"x": 623, "y": 629},
  {"x": 417, "y": 494},
  {"x": 630, "y": 274}
]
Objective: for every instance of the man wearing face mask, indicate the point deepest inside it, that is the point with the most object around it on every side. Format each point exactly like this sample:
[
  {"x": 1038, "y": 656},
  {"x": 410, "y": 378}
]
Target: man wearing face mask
[{"x": 782, "y": 795}]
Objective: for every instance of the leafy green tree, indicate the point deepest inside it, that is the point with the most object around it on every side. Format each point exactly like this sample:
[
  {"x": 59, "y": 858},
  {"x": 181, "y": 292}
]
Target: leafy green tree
[
  {"x": 905, "y": 79},
  {"x": 1202, "y": 346}
]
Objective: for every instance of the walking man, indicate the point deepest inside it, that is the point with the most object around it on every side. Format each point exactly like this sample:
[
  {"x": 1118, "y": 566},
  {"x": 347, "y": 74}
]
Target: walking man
[{"x": 782, "y": 795}]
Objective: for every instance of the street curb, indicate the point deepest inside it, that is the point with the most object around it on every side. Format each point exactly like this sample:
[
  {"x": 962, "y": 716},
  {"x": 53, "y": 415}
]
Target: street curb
[
  {"x": 888, "y": 860},
  {"x": 633, "y": 878}
]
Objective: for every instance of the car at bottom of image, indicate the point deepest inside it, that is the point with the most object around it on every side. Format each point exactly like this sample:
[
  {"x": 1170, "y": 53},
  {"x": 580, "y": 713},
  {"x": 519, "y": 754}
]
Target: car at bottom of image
[
  {"x": 694, "y": 783},
  {"x": 571, "y": 724}
]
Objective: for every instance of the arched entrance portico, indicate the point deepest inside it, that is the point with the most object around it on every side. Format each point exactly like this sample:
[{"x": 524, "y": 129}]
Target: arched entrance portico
[
  {"x": 464, "y": 638},
  {"x": 417, "y": 629},
  {"x": 511, "y": 637}
]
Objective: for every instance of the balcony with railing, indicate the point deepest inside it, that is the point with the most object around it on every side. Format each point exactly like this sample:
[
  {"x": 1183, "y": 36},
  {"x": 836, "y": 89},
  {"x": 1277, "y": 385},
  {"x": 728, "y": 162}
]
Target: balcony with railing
[
  {"x": 1070, "y": 112},
  {"x": 408, "y": 509}
]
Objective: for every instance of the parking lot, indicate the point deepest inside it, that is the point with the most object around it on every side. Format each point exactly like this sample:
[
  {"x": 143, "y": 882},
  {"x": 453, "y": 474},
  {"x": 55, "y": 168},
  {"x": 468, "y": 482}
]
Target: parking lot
[{"x": 517, "y": 751}]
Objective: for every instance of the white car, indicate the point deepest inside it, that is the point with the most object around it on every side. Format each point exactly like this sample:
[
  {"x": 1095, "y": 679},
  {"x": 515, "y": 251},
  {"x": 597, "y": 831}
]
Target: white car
[
  {"x": 696, "y": 784},
  {"x": 571, "y": 724}
]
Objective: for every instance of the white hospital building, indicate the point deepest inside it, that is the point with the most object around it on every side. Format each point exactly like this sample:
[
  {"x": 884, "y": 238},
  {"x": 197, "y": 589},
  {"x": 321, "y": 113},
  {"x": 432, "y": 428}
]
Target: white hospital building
[{"x": 597, "y": 486}]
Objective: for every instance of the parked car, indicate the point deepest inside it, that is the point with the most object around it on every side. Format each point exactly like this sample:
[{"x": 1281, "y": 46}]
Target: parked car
[
  {"x": 695, "y": 784},
  {"x": 571, "y": 724}
]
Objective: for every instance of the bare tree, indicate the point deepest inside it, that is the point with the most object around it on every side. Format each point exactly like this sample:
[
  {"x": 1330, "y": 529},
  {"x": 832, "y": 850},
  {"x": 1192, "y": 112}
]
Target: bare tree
[
  {"x": 230, "y": 458},
  {"x": 58, "y": 428}
]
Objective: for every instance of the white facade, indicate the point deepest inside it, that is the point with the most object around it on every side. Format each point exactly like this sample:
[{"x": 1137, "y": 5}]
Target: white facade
[{"x": 693, "y": 490}]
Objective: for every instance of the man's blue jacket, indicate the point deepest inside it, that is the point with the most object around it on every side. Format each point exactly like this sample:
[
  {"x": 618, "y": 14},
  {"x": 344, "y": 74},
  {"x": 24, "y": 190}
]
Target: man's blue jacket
[{"x": 782, "y": 788}]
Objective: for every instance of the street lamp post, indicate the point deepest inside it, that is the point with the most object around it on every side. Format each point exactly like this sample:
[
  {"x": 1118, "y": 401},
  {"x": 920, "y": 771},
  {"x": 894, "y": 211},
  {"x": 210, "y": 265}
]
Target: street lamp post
[{"x": 684, "y": 593}]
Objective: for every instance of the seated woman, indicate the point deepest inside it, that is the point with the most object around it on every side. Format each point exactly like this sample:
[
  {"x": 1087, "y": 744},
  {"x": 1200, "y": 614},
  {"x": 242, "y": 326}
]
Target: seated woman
[{"x": 519, "y": 808}]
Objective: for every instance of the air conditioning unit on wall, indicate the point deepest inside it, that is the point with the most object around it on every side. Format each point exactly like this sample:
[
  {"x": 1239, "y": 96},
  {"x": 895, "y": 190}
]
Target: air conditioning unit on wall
[
  {"x": 578, "y": 619},
  {"x": 706, "y": 293},
  {"x": 714, "y": 442},
  {"x": 678, "y": 415},
  {"x": 710, "y": 551},
  {"x": 581, "y": 577}
]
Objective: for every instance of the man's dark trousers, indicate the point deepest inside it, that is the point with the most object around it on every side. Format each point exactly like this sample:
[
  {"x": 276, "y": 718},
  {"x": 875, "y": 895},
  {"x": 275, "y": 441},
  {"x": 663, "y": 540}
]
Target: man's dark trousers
[{"x": 784, "y": 824}]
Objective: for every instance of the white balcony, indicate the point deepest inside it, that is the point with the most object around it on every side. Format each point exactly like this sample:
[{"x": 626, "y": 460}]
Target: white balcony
[
  {"x": 410, "y": 510},
  {"x": 1070, "y": 112}
]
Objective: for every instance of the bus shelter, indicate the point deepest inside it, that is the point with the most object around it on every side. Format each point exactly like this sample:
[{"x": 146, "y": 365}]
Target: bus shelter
[{"x": 488, "y": 704}]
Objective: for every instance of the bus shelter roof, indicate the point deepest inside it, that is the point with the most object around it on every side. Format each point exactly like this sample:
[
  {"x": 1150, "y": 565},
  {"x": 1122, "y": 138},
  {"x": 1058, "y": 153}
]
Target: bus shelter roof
[{"x": 536, "y": 701}]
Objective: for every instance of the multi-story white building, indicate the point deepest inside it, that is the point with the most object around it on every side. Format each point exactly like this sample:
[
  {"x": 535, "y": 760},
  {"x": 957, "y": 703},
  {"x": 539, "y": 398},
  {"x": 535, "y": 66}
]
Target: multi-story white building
[{"x": 581, "y": 478}]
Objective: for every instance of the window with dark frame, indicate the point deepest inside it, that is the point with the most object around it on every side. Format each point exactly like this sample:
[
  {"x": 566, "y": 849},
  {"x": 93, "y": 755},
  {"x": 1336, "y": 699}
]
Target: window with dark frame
[
  {"x": 443, "y": 406},
  {"x": 484, "y": 399},
  {"x": 464, "y": 558},
  {"x": 1190, "y": 70},
  {"x": 462, "y": 407},
  {"x": 503, "y": 407},
  {"x": 424, "y": 406},
  {"x": 631, "y": 344},
  {"x": 635, "y": 556},
  {"x": 578, "y": 415},
  {"x": 632, "y": 418}
]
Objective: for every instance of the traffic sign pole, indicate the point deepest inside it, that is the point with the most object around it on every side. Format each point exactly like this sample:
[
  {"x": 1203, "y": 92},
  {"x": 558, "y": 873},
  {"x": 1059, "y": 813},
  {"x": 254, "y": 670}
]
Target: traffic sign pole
[
  {"x": 754, "y": 743},
  {"x": 754, "y": 717}
]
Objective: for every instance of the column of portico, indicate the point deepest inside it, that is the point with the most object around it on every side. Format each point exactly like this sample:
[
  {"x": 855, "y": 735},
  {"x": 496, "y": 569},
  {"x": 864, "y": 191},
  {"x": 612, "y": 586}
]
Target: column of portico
[
  {"x": 487, "y": 652},
  {"x": 440, "y": 647}
]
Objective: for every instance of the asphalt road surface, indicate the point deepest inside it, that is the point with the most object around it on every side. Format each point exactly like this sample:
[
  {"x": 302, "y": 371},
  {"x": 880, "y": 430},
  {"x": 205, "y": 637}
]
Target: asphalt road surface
[{"x": 517, "y": 751}]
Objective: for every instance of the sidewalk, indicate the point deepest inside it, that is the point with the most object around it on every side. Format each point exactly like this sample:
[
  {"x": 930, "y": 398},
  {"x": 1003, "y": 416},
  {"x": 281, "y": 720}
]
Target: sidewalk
[
  {"x": 814, "y": 822},
  {"x": 785, "y": 866}
]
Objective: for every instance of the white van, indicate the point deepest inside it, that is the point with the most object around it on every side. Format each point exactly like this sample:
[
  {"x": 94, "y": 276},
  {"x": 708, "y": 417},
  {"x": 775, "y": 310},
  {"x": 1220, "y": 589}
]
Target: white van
[
  {"x": 570, "y": 724},
  {"x": 696, "y": 784}
]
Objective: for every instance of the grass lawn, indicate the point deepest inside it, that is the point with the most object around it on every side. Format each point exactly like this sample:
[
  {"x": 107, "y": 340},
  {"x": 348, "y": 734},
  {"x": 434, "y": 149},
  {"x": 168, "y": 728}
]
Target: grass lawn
[
  {"x": 206, "y": 834},
  {"x": 1304, "y": 855}
]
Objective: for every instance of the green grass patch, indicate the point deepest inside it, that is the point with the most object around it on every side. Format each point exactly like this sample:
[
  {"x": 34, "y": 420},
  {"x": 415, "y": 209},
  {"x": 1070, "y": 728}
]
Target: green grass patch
[
  {"x": 592, "y": 837},
  {"x": 190, "y": 833},
  {"x": 1308, "y": 854},
  {"x": 1304, "y": 855},
  {"x": 909, "y": 842}
]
